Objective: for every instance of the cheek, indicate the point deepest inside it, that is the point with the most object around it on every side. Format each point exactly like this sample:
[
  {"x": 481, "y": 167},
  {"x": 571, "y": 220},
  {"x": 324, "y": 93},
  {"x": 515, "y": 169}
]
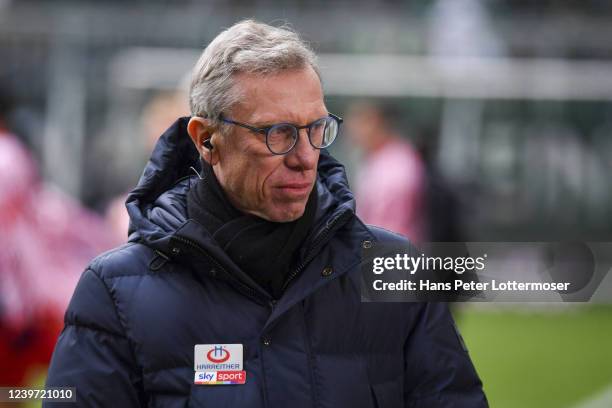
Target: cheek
[
  {"x": 243, "y": 181},
  {"x": 254, "y": 179},
  {"x": 270, "y": 174},
  {"x": 250, "y": 172}
]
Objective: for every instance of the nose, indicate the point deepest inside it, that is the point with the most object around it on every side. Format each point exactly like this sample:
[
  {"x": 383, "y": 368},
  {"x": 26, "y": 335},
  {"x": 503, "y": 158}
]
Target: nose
[{"x": 303, "y": 156}]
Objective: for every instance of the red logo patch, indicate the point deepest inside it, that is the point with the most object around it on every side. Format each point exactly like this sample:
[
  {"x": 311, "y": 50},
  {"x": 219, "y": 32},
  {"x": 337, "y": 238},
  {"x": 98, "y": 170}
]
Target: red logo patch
[{"x": 218, "y": 355}]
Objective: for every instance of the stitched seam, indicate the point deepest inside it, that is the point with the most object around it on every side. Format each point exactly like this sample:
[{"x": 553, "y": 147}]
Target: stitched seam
[
  {"x": 147, "y": 372},
  {"x": 125, "y": 275},
  {"x": 100, "y": 258},
  {"x": 113, "y": 299},
  {"x": 96, "y": 329},
  {"x": 123, "y": 326}
]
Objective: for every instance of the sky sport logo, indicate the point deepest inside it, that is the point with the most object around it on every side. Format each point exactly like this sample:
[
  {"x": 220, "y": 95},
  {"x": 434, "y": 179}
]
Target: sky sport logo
[
  {"x": 218, "y": 355},
  {"x": 220, "y": 377}
]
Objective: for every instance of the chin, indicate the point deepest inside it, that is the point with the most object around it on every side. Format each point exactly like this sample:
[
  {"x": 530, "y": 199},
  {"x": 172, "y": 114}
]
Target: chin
[{"x": 292, "y": 213}]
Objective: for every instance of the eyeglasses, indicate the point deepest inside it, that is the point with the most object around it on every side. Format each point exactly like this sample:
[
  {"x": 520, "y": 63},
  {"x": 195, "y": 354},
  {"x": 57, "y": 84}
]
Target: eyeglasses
[{"x": 281, "y": 138}]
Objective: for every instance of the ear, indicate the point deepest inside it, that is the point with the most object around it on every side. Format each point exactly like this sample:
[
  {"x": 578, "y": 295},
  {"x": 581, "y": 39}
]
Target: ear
[{"x": 200, "y": 129}]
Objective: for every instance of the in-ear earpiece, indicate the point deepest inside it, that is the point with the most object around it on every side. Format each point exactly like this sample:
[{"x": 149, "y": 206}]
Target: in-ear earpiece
[{"x": 207, "y": 144}]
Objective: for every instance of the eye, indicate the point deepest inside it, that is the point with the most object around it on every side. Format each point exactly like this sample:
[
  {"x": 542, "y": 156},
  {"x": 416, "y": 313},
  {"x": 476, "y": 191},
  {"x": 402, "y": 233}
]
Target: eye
[
  {"x": 317, "y": 131},
  {"x": 281, "y": 132},
  {"x": 281, "y": 137},
  {"x": 318, "y": 126}
]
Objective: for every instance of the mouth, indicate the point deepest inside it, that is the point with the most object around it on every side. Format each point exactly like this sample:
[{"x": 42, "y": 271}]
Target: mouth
[{"x": 295, "y": 190}]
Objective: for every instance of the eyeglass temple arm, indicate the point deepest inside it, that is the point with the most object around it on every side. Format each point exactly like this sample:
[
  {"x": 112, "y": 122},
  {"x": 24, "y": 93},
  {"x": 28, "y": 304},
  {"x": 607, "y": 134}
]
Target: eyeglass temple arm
[
  {"x": 244, "y": 125},
  {"x": 338, "y": 118}
]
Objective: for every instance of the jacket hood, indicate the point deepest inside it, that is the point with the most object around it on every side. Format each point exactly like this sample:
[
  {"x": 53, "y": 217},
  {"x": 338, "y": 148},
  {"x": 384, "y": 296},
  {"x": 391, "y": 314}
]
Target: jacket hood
[{"x": 158, "y": 205}]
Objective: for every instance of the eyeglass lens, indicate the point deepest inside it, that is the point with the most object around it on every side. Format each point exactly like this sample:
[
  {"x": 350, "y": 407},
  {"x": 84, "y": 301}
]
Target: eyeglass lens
[{"x": 281, "y": 138}]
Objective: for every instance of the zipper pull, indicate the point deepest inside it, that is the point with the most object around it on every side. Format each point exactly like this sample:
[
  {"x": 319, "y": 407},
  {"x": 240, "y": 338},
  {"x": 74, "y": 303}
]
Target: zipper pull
[{"x": 158, "y": 261}]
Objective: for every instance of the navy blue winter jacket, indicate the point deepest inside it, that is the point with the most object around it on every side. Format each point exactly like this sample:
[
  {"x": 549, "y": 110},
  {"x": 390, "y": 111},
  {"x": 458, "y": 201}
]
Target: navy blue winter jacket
[{"x": 138, "y": 311}]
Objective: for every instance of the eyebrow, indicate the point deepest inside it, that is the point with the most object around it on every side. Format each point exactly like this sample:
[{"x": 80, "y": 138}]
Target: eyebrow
[{"x": 265, "y": 124}]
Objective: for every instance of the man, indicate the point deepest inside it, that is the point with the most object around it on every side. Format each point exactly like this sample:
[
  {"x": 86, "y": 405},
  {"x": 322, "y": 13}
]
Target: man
[
  {"x": 249, "y": 271},
  {"x": 390, "y": 186}
]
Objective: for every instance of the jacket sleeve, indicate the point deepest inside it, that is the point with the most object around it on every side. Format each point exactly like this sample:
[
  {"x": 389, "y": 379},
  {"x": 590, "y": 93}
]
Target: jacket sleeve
[
  {"x": 92, "y": 353},
  {"x": 439, "y": 371}
]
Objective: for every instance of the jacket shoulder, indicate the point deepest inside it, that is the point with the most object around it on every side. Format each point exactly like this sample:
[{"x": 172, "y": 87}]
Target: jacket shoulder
[
  {"x": 388, "y": 237},
  {"x": 93, "y": 303},
  {"x": 125, "y": 260}
]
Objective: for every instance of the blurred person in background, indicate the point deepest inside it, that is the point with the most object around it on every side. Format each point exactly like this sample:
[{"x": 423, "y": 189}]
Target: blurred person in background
[
  {"x": 159, "y": 113},
  {"x": 391, "y": 180},
  {"x": 253, "y": 257},
  {"x": 397, "y": 190},
  {"x": 46, "y": 238}
]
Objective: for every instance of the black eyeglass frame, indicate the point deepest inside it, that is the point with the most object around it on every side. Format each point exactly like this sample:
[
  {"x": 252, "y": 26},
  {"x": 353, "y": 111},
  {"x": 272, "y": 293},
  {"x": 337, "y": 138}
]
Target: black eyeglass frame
[{"x": 266, "y": 130}]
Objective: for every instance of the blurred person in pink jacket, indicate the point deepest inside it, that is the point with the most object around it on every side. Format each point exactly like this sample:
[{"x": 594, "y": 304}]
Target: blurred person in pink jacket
[
  {"x": 390, "y": 183},
  {"x": 46, "y": 239}
]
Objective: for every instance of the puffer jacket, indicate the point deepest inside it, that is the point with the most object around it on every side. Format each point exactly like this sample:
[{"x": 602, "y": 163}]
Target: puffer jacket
[{"x": 139, "y": 310}]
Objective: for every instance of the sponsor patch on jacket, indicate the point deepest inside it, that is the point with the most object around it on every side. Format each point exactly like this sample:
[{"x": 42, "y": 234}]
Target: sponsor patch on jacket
[{"x": 218, "y": 364}]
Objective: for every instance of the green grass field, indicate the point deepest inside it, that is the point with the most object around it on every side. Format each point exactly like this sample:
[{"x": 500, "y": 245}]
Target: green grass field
[{"x": 540, "y": 357}]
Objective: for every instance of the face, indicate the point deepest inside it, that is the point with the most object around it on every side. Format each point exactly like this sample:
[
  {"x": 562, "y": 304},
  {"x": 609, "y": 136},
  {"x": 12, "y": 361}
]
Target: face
[
  {"x": 364, "y": 125},
  {"x": 273, "y": 187}
]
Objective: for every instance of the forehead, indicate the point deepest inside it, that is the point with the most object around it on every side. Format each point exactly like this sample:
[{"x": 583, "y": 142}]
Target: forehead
[{"x": 291, "y": 95}]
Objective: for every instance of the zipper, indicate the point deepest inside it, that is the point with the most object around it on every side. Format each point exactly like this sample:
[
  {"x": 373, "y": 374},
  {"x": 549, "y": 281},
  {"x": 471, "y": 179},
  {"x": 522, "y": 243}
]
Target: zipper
[
  {"x": 244, "y": 288},
  {"x": 314, "y": 248}
]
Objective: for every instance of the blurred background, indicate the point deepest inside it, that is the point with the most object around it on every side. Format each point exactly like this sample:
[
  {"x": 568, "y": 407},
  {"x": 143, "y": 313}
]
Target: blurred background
[{"x": 476, "y": 120}]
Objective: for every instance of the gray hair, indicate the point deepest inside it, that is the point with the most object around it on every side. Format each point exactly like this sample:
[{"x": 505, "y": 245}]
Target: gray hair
[{"x": 246, "y": 47}]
